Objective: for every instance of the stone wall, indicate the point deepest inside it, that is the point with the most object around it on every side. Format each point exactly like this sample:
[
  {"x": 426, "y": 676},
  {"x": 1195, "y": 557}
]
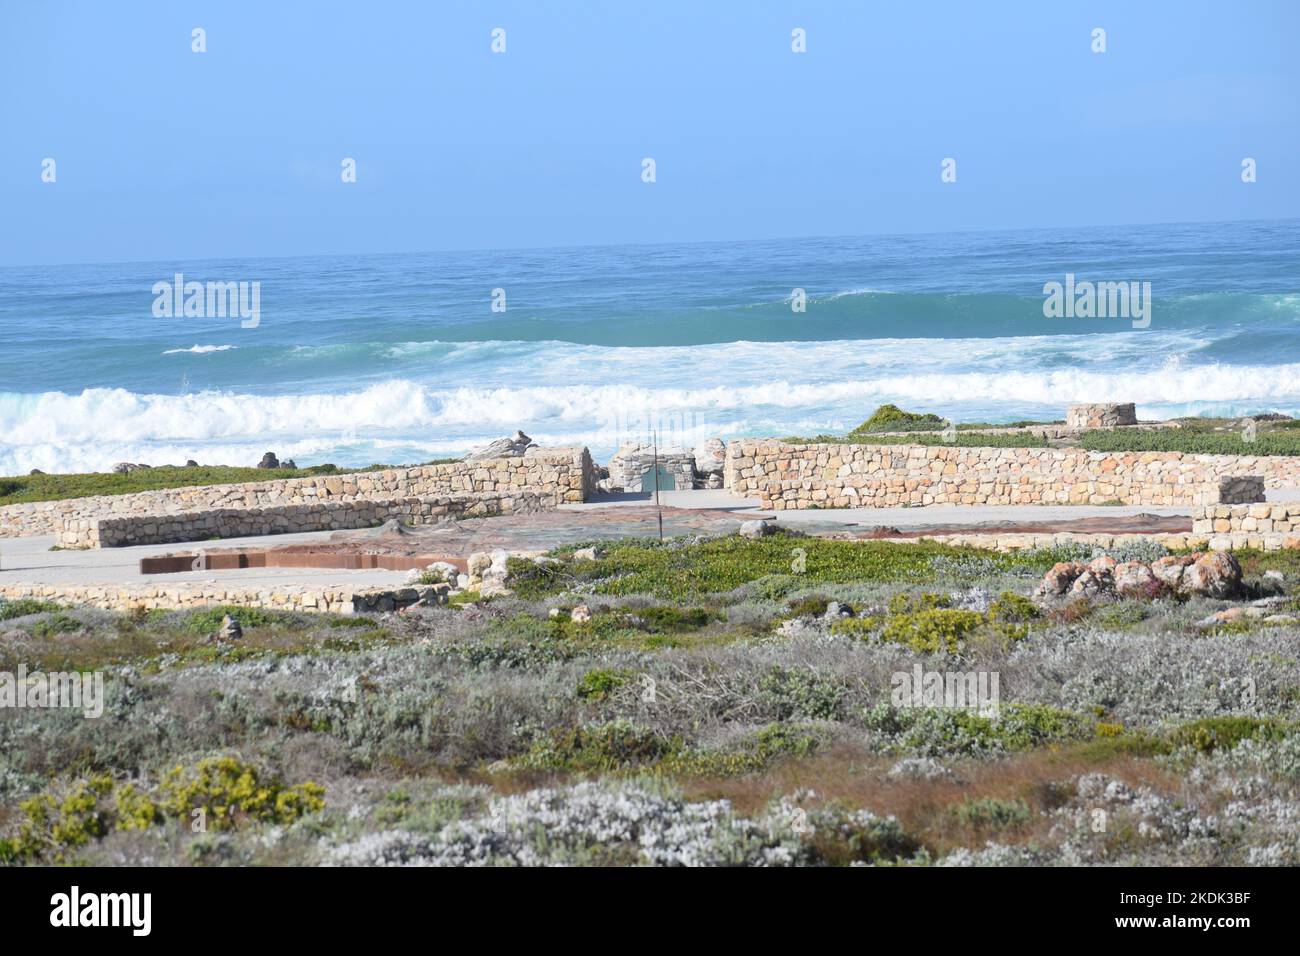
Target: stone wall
[
  {"x": 843, "y": 476},
  {"x": 1260, "y": 517},
  {"x": 566, "y": 474},
  {"x": 631, "y": 463},
  {"x": 329, "y": 598},
  {"x": 327, "y": 515},
  {"x": 1105, "y": 415}
]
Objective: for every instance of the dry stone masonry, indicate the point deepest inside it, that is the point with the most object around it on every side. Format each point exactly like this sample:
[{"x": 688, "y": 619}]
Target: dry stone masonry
[
  {"x": 787, "y": 476},
  {"x": 564, "y": 474},
  {"x": 1105, "y": 415},
  {"x": 289, "y": 519}
]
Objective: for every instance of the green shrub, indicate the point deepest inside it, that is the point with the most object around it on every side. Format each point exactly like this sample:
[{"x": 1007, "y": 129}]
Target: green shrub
[
  {"x": 228, "y": 790},
  {"x": 952, "y": 731},
  {"x": 209, "y": 619},
  {"x": 1224, "y": 733},
  {"x": 990, "y": 813},
  {"x": 891, "y": 418},
  {"x": 598, "y": 748},
  {"x": 925, "y": 626},
  {"x": 22, "y": 607},
  {"x": 57, "y": 623},
  {"x": 60, "y": 820},
  {"x": 798, "y": 693},
  {"x": 599, "y": 684},
  {"x": 683, "y": 572}
]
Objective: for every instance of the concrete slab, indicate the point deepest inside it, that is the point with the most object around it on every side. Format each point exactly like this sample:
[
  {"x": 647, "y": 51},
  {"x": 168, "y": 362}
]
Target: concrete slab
[{"x": 30, "y": 561}]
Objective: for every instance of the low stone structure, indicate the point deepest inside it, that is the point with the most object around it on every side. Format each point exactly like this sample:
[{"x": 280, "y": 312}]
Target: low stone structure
[
  {"x": 565, "y": 474},
  {"x": 328, "y": 598},
  {"x": 830, "y": 475},
  {"x": 1103, "y": 415},
  {"x": 1257, "y": 518},
  {"x": 632, "y": 465},
  {"x": 210, "y": 523}
]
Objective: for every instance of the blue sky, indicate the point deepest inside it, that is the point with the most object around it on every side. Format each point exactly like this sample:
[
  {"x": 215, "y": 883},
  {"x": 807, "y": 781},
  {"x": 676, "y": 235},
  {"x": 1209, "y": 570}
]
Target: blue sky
[{"x": 165, "y": 153}]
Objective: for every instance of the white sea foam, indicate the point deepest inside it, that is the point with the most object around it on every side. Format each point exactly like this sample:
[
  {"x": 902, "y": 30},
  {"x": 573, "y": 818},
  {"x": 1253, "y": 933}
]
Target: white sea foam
[
  {"x": 201, "y": 349},
  {"x": 56, "y": 431}
]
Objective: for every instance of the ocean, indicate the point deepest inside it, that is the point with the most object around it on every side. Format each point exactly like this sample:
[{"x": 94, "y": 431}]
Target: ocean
[{"x": 402, "y": 358}]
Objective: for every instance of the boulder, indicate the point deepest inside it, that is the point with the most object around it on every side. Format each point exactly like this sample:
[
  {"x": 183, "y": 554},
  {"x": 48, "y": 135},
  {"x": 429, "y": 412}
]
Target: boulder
[
  {"x": 588, "y": 554},
  {"x": 1216, "y": 574},
  {"x": 1101, "y": 415},
  {"x": 710, "y": 456},
  {"x": 1102, "y": 564},
  {"x": 191, "y": 463},
  {"x": 1058, "y": 580},
  {"x": 513, "y": 447},
  {"x": 269, "y": 461},
  {"x": 756, "y": 529},
  {"x": 581, "y": 614},
  {"x": 229, "y": 630},
  {"x": 1137, "y": 580},
  {"x": 1170, "y": 570},
  {"x": 126, "y": 467},
  {"x": 488, "y": 572},
  {"x": 1090, "y": 584}
]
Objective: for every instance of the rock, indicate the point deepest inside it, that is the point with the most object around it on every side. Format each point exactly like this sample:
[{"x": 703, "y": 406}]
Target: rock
[
  {"x": 1090, "y": 584},
  {"x": 1216, "y": 574},
  {"x": 835, "y": 611},
  {"x": 229, "y": 630},
  {"x": 1170, "y": 570},
  {"x": 269, "y": 461},
  {"x": 442, "y": 572},
  {"x": 710, "y": 456},
  {"x": 36, "y": 471},
  {"x": 1101, "y": 415},
  {"x": 288, "y": 463},
  {"x": 1135, "y": 579},
  {"x": 1275, "y": 575},
  {"x": 713, "y": 481},
  {"x": 554, "y": 612},
  {"x": 126, "y": 467},
  {"x": 588, "y": 554},
  {"x": 1222, "y": 617},
  {"x": 1102, "y": 564},
  {"x": 513, "y": 447},
  {"x": 756, "y": 529},
  {"x": 191, "y": 463},
  {"x": 581, "y": 614},
  {"x": 488, "y": 572},
  {"x": 435, "y": 594},
  {"x": 1059, "y": 579}
]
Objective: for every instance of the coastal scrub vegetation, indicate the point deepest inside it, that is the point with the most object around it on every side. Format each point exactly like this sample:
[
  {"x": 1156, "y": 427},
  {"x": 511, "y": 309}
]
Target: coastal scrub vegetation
[{"x": 702, "y": 701}]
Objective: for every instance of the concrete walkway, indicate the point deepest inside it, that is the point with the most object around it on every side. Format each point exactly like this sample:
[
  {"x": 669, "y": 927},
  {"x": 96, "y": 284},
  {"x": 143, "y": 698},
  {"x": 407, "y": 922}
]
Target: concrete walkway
[{"x": 30, "y": 560}]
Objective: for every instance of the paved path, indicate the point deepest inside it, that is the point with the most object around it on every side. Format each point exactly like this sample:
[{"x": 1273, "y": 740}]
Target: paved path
[{"x": 30, "y": 560}]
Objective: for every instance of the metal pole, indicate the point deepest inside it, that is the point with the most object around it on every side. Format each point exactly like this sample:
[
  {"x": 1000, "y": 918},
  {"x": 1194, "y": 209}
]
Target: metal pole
[{"x": 659, "y": 511}]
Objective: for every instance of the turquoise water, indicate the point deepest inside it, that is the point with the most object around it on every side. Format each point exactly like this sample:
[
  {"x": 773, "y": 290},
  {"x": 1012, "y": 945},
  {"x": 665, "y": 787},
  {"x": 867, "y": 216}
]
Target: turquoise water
[{"x": 401, "y": 358}]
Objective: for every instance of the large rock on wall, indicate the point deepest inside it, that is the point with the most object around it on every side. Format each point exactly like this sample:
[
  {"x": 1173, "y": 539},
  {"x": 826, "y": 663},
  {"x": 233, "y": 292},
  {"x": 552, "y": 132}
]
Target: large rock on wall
[{"x": 1101, "y": 415}]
